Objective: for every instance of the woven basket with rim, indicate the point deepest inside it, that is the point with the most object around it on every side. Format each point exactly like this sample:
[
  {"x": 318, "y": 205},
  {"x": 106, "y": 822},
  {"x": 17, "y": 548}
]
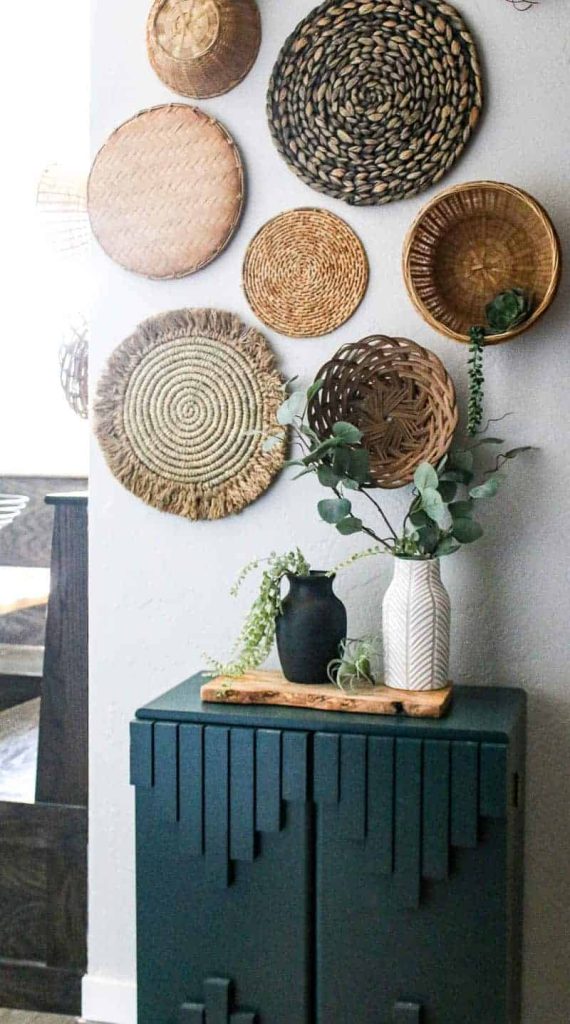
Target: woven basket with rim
[
  {"x": 472, "y": 242},
  {"x": 182, "y": 410},
  {"x": 401, "y": 397},
  {"x": 166, "y": 191},
  {"x": 305, "y": 273},
  {"x": 203, "y": 48},
  {"x": 374, "y": 100}
]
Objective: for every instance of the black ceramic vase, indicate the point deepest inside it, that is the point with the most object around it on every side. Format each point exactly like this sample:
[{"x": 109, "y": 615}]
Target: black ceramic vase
[{"x": 310, "y": 628}]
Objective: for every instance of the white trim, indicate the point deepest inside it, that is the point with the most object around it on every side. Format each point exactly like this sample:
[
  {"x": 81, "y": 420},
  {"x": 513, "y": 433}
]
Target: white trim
[{"x": 109, "y": 1000}]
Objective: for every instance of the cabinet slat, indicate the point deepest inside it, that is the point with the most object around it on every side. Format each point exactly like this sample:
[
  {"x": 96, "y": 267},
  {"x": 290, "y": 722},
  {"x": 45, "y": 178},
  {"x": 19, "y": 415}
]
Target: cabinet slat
[
  {"x": 192, "y": 1013},
  {"x": 216, "y": 803},
  {"x": 493, "y": 780},
  {"x": 166, "y": 769},
  {"x": 191, "y": 787},
  {"x": 408, "y": 820},
  {"x": 407, "y": 1013},
  {"x": 217, "y": 1000},
  {"x": 295, "y": 766},
  {"x": 353, "y": 787},
  {"x": 142, "y": 768},
  {"x": 381, "y": 802},
  {"x": 464, "y": 794},
  {"x": 242, "y": 794},
  {"x": 268, "y": 780},
  {"x": 326, "y": 768},
  {"x": 435, "y": 832}
]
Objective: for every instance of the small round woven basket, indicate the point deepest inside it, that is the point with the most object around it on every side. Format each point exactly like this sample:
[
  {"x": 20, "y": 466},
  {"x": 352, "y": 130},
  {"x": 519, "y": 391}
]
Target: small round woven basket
[
  {"x": 203, "y": 48},
  {"x": 74, "y": 369},
  {"x": 182, "y": 410},
  {"x": 472, "y": 242},
  {"x": 166, "y": 191},
  {"x": 372, "y": 101},
  {"x": 399, "y": 395},
  {"x": 305, "y": 273}
]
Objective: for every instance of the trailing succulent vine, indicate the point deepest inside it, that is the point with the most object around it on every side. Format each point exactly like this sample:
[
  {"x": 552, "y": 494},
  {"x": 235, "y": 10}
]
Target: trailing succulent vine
[{"x": 504, "y": 313}]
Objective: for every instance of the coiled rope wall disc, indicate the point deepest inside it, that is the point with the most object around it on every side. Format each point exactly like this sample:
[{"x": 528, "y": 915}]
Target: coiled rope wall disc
[{"x": 182, "y": 410}]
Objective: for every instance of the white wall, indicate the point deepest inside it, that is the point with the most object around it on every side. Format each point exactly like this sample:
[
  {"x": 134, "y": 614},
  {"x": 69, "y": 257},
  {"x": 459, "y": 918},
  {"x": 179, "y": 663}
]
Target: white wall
[{"x": 159, "y": 584}]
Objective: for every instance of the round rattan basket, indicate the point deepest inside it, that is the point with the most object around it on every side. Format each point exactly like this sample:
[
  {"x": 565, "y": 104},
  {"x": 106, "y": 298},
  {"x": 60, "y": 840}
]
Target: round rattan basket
[
  {"x": 472, "y": 242},
  {"x": 166, "y": 191},
  {"x": 305, "y": 273},
  {"x": 62, "y": 206},
  {"x": 399, "y": 395},
  {"x": 203, "y": 48},
  {"x": 74, "y": 368}
]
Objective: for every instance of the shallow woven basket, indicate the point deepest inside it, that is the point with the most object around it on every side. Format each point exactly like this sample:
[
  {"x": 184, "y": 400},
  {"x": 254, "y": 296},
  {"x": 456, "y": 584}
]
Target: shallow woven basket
[
  {"x": 374, "y": 101},
  {"x": 472, "y": 242},
  {"x": 166, "y": 192},
  {"x": 11, "y": 506},
  {"x": 203, "y": 48},
  {"x": 401, "y": 397},
  {"x": 62, "y": 206},
  {"x": 182, "y": 410},
  {"x": 305, "y": 273},
  {"x": 74, "y": 369}
]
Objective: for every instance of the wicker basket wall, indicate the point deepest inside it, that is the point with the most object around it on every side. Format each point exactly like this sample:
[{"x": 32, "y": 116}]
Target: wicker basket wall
[
  {"x": 305, "y": 273},
  {"x": 472, "y": 242},
  {"x": 166, "y": 192},
  {"x": 401, "y": 397},
  {"x": 374, "y": 101},
  {"x": 203, "y": 48},
  {"x": 182, "y": 410}
]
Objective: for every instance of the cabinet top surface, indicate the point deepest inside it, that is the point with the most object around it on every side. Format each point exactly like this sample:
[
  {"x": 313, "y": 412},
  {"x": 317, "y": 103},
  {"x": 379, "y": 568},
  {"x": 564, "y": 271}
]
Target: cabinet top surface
[{"x": 477, "y": 712}]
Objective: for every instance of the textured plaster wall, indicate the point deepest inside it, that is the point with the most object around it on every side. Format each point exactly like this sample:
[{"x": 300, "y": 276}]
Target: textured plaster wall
[{"x": 159, "y": 585}]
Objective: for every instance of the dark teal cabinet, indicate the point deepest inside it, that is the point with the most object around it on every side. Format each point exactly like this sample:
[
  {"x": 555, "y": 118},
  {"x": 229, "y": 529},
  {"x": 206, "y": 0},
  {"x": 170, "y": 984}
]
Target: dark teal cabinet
[{"x": 306, "y": 868}]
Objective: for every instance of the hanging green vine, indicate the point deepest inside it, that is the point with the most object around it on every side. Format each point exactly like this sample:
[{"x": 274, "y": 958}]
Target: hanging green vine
[{"x": 476, "y": 380}]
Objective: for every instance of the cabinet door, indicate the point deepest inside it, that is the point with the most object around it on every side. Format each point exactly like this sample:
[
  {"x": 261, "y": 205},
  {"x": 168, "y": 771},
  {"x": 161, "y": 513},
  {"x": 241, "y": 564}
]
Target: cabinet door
[
  {"x": 224, "y": 848},
  {"x": 411, "y": 881}
]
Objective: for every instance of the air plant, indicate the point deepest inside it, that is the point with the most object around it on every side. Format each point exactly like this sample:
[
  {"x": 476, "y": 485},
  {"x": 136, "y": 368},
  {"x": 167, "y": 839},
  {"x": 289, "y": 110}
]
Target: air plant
[{"x": 357, "y": 665}]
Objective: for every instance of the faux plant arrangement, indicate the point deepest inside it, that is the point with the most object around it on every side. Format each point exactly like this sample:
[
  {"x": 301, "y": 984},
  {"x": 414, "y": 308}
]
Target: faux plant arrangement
[{"x": 505, "y": 312}]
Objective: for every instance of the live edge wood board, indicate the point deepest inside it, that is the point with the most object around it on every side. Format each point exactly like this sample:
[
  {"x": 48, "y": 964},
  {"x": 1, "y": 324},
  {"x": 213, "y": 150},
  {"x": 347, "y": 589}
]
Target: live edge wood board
[{"x": 272, "y": 688}]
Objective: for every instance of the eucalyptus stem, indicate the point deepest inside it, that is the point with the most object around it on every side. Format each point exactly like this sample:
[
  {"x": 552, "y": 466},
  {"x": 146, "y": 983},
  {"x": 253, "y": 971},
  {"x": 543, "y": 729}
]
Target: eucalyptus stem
[{"x": 381, "y": 511}]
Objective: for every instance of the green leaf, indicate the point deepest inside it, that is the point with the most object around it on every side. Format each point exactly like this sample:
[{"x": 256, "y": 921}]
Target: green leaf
[
  {"x": 419, "y": 518},
  {"x": 512, "y": 454},
  {"x": 347, "y": 432},
  {"x": 461, "y": 509},
  {"x": 359, "y": 465},
  {"x": 433, "y": 505},
  {"x": 489, "y": 488},
  {"x": 425, "y": 477},
  {"x": 291, "y": 408},
  {"x": 486, "y": 440},
  {"x": 447, "y": 546},
  {"x": 315, "y": 388},
  {"x": 327, "y": 476},
  {"x": 448, "y": 490},
  {"x": 462, "y": 460},
  {"x": 428, "y": 537},
  {"x": 459, "y": 476},
  {"x": 349, "y": 525},
  {"x": 334, "y": 510},
  {"x": 466, "y": 530},
  {"x": 352, "y": 485},
  {"x": 341, "y": 461}
]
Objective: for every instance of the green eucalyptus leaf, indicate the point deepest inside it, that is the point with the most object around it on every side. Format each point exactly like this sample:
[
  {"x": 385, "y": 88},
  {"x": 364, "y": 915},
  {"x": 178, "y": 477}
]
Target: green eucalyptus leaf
[
  {"x": 315, "y": 388},
  {"x": 461, "y": 509},
  {"x": 447, "y": 546},
  {"x": 349, "y": 525},
  {"x": 433, "y": 505},
  {"x": 341, "y": 461},
  {"x": 327, "y": 476},
  {"x": 334, "y": 510},
  {"x": 428, "y": 538},
  {"x": 448, "y": 490},
  {"x": 459, "y": 476},
  {"x": 352, "y": 485},
  {"x": 461, "y": 460},
  {"x": 425, "y": 477},
  {"x": 466, "y": 530},
  {"x": 489, "y": 488},
  {"x": 359, "y": 465},
  {"x": 347, "y": 432},
  {"x": 291, "y": 408},
  {"x": 419, "y": 518}
]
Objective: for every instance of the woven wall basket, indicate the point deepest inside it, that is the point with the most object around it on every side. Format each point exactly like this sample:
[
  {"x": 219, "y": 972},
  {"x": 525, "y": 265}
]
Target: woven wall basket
[
  {"x": 472, "y": 242},
  {"x": 166, "y": 191},
  {"x": 62, "y": 206},
  {"x": 181, "y": 409},
  {"x": 305, "y": 273},
  {"x": 202, "y": 48},
  {"x": 374, "y": 101},
  {"x": 401, "y": 397}
]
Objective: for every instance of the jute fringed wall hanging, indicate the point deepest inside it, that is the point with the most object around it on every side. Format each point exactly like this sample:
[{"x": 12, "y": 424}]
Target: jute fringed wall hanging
[
  {"x": 374, "y": 101},
  {"x": 305, "y": 273},
  {"x": 166, "y": 191},
  {"x": 203, "y": 48},
  {"x": 181, "y": 409},
  {"x": 401, "y": 397},
  {"x": 473, "y": 242}
]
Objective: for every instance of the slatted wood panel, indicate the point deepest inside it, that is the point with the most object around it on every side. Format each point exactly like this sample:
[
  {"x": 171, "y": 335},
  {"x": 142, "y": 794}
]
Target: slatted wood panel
[{"x": 217, "y": 1006}]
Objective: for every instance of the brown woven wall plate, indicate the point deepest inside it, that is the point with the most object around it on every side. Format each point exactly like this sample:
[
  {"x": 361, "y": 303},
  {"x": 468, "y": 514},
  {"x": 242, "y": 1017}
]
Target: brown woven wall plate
[
  {"x": 203, "y": 48},
  {"x": 305, "y": 273},
  {"x": 181, "y": 411},
  {"x": 472, "y": 242},
  {"x": 401, "y": 397},
  {"x": 374, "y": 101},
  {"x": 166, "y": 192}
]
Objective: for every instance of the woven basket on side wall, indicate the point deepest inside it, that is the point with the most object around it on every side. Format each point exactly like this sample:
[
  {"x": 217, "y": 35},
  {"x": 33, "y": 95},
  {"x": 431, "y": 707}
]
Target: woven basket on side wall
[
  {"x": 399, "y": 395},
  {"x": 472, "y": 242},
  {"x": 203, "y": 48}
]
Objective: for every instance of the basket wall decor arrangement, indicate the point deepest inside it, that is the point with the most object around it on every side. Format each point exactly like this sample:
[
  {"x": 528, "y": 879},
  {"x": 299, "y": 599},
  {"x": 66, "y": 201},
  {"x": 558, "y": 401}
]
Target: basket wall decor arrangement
[
  {"x": 203, "y": 48},
  {"x": 374, "y": 101},
  {"x": 166, "y": 192},
  {"x": 74, "y": 369},
  {"x": 62, "y": 205},
  {"x": 401, "y": 397},
  {"x": 472, "y": 242},
  {"x": 181, "y": 411},
  {"x": 305, "y": 273}
]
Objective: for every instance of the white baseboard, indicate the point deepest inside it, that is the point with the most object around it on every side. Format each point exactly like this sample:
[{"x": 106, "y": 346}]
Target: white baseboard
[{"x": 109, "y": 1000}]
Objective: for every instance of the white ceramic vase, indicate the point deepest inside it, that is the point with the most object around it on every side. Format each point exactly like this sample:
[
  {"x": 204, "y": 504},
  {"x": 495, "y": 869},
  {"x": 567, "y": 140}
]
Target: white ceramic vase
[{"x": 416, "y": 627}]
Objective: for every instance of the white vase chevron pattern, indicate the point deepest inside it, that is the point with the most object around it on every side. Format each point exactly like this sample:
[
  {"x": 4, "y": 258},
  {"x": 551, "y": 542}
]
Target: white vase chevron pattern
[{"x": 416, "y": 627}]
